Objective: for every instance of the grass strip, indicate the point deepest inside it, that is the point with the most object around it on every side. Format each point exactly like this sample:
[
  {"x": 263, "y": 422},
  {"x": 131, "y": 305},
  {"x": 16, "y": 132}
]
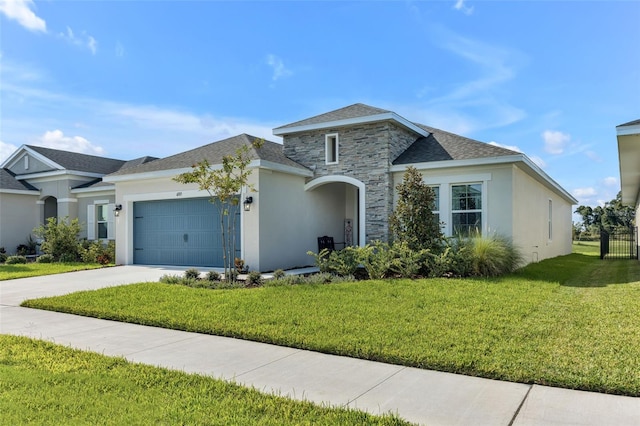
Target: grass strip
[
  {"x": 568, "y": 321},
  {"x": 43, "y": 383},
  {"x": 25, "y": 270}
]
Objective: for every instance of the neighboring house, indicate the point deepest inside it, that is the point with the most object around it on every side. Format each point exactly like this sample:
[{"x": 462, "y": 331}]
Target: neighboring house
[
  {"x": 335, "y": 174},
  {"x": 628, "y": 135},
  {"x": 37, "y": 183}
]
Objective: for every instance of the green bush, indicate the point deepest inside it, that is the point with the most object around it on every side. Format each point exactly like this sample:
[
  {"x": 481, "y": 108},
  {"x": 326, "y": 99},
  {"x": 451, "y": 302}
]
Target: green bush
[
  {"x": 254, "y": 279},
  {"x": 3, "y": 257},
  {"x": 15, "y": 260},
  {"x": 97, "y": 252},
  {"x": 60, "y": 239},
  {"x": 45, "y": 258},
  {"x": 213, "y": 276},
  {"x": 171, "y": 279},
  {"x": 192, "y": 274},
  {"x": 341, "y": 262},
  {"x": 278, "y": 274},
  {"x": 378, "y": 260},
  {"x": 407, "y": 262},
  {"x": 494, "y": 255}
]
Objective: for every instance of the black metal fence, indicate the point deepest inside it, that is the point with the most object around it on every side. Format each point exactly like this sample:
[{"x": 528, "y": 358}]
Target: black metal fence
[{"x": 620, "y": 243}]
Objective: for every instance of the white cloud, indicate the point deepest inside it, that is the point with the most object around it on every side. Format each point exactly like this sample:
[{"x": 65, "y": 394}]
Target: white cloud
[
  {"x": 593, "y": 156},
  {"x": 83, "y": 40},
  {"x": 57, "y": 140},
  {"x": 610, "y": 181},
  {"x": 6, "y": 149},
  {"x": 555, "y": 142},
  {"x": 511, "y": 147},
  {"x": 463, "y": 8},
  {"x": 478, "y": 99},
  {"x": 20, "y": 11},
  {"x": 584, "y": 192},
  {"x": 279, "y": 70}
]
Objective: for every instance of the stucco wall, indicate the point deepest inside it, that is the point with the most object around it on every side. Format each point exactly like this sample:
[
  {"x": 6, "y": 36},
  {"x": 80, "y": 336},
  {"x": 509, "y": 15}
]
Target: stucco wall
[
  {"x": 19, "y": 215},
  {"x": 531, "y": 219},
  {"x": 84, "y": 200},
  {"x": 496, "y": 194},
  {"x": 289, "y": 220},
  {"x": 35, "y": 166}
]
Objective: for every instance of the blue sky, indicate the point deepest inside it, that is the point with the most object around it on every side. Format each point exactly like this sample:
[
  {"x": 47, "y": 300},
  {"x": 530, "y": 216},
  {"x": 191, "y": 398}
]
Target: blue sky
[{"x": 125, "y": 79}]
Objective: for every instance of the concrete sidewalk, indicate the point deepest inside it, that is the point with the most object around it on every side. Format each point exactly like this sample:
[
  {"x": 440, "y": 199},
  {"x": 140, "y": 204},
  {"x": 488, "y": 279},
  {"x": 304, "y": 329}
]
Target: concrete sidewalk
[{"x": 420, "y": 396}]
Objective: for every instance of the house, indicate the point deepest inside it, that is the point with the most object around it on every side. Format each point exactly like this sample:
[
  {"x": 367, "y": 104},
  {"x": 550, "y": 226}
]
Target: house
[
  {"x": 335, "y": 174},
  {"x": 37, "y": 183},
  {"x": 628, "y": 136}
]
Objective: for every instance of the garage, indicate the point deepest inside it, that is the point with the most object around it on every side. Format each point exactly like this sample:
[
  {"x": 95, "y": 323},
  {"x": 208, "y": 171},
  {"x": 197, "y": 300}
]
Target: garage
[{"x": 178, "y": 232}]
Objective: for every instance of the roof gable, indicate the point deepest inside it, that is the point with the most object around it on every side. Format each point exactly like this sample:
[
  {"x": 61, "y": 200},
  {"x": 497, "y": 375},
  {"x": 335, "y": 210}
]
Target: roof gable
[
  {"x": 9, "y": 182},
  {"x": 79, "y": 162},
  {"x": 214, "y": 153},
  {"x": 349, "y": 112}
]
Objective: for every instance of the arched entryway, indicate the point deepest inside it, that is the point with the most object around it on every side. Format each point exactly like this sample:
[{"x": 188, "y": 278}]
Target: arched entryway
[
  {"x": 50, "y": 208},
  {"x": 345, "y": 212}
]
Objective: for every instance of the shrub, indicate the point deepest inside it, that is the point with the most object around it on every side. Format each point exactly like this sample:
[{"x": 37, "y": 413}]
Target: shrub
[
  {"x": 407, "y": 262},
  {"x": 286, "y": 280},
  {"x": 3, "y": 257},
  {"x": 60, "y": 239},
  {"x": 240, "y": 265},
  {"x": 378, "y": 260},
  {"x": 97, "y": 252},
  {"x": 15, "y": 260},
  {"x": 45, "y": 258},
  {"x": 494, "y": 255},
  {"x": 69, "y": 258},
  {"x": 192, "y": 274},
  {"x": 213, "y": 276},
  {"x": 278, "y": 274},
  {"x": 322, "y": 259},
  {"x": 254, "y": 279},
  {"x": 321, "y": 278},
  {"x": 171, "y": 279}
]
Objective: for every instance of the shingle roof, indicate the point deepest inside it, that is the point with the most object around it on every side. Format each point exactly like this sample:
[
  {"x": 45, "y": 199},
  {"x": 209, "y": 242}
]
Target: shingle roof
[
  {"x": 79, "y": 162},
  {"x": 213, "y": 153},
  {"x": 8, "y": 181},
  {"x": 442, "y": 146},
  {"x": 631, "y": 123},
  {"x": 351, "y": 111}
]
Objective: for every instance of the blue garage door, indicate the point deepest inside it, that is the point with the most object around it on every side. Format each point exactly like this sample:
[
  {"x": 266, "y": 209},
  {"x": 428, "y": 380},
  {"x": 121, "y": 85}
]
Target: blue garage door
[{"x": 178, "y": 232}]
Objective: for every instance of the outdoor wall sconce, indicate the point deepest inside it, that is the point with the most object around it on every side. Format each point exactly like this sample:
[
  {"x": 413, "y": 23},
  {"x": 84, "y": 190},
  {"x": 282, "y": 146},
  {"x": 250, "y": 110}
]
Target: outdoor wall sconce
[
  {"x": 247, "y": 203},
  {"x": 116, "y": 211}
]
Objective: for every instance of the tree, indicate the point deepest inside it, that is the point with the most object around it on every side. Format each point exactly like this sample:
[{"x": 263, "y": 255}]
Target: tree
[
  {"x": 224, "y": 184},
  {"x": 612, "y": 215},
  {"x": 413, "y": 221}
]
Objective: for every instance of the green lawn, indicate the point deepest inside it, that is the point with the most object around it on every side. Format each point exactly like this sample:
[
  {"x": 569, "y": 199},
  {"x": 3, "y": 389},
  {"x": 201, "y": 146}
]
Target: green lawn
[
  {"x": 43, "y": 383},
  {"x": 569, "y": 321},
  {"x": 9, "y": 272}
]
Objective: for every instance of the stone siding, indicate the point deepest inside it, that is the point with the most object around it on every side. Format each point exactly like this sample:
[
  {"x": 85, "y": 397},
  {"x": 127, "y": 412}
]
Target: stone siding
[{"x": 365, "y": 152}]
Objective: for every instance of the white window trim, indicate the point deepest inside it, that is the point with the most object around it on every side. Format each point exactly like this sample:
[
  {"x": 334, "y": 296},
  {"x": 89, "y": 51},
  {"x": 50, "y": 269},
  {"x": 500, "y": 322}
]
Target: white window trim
[
  {"x": 92, "y": 222},
  {"x": 328, "y": 139},
  {"x": 26, "y": 162},
  {"x": 446, "y": 182},
  {"x": 481, "y": 210},
  {"x": 550, "y": 219}
]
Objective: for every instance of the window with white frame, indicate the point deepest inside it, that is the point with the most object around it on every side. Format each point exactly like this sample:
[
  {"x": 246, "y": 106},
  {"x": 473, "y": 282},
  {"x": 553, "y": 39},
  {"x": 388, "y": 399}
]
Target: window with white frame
[
  {"x": 466, "y": 208},
  {"x": 436, "y": 202},
  {"x": 100, "y": 221},
  {"x": 550, "y": 220},
  {"x": 331, "y": 148}
]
